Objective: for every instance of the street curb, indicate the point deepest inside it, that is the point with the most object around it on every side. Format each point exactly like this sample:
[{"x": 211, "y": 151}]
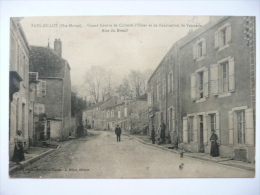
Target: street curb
[
  {"x": 190, "y": 155},
  {"x": 31, "y": 160}
]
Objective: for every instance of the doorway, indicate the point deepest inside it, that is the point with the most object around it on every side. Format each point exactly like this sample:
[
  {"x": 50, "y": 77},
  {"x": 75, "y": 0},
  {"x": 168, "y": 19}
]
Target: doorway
[{"x": 201, "y": 145}]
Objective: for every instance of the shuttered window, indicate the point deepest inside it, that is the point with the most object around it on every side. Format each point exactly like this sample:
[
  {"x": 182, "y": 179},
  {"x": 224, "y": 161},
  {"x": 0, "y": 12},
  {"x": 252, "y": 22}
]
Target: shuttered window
[
  {"x": 199, "y": 49},
  {"x": 227, "y": 76},
  {"x": 223, "y": 36},
  {"x": 43, "y": 88},
  {"x": 200, "y": 84},
  {"x": 241, "y": 127}
]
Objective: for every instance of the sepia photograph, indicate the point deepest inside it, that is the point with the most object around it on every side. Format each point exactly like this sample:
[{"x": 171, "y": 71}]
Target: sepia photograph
[{"x": 145, "y": 97}]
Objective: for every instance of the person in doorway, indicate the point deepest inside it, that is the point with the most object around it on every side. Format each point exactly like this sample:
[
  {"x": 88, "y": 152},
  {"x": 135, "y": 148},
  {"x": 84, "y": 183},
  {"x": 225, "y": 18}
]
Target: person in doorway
[
  {"x": 18, "y": 148},
  {"x": 153, "y": 135},
  {"x": 118, "y": 133},
  {"x": 214, "y": 151},
  {"x": 163, "y": 127}
]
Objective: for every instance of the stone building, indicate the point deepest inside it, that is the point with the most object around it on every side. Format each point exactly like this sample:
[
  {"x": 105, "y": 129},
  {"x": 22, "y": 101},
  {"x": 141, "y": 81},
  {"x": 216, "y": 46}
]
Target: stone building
[
  {"x": 91, "y": 117},
  {"x": 136, "y": 113},
  {"x": 213, "y": 88},
  {"x": 21, "y": 106},
  {"x": 54, "y": 89}
]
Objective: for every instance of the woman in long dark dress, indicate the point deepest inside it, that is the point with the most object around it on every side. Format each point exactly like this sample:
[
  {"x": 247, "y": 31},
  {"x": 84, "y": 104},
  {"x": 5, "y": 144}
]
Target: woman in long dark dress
[
  {"x": 18, "y": 148},
  {"x": 214, "y": 145}
]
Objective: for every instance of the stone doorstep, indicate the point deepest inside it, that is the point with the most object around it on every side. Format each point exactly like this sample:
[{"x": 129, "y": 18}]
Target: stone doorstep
[
  {"x": 202, "y": 156},
  {"x": 29, "y": 161}
]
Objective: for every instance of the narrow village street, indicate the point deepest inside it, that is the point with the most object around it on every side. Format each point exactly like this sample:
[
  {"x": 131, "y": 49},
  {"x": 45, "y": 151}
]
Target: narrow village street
[{"x": 99, "y": 155}]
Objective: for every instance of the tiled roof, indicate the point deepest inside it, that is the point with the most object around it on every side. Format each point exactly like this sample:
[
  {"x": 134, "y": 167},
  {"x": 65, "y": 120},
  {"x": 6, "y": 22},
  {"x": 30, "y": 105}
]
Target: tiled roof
[{"x": 46, "y": 62}]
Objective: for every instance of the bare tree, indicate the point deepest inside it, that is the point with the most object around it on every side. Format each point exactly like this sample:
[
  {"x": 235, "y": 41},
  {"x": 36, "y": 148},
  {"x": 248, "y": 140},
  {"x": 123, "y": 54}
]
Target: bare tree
[
  {"x": 95, "y": 82},
  {"x": 136, "y": 81},
  {"x": 124, "y": 89}
]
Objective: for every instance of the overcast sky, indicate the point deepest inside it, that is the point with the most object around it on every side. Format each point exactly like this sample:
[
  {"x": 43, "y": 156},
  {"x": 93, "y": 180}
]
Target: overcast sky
[{"x": 141, "y": 47}]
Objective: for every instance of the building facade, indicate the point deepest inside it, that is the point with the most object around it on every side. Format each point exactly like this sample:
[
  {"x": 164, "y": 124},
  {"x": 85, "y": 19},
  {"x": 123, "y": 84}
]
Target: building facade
[
  {"x": 213, "y": 89},
  {"x": 21, "y": 103},
  {"x": 54, "y": 89}
]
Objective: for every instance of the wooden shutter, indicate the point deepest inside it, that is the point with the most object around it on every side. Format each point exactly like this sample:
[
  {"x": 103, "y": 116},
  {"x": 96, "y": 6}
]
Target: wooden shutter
[
  {"x": 216, "y": 39},
  {"x": 228, "y": 34},
  {"x": 214, "y": 79},
  {"x": 250, "y": 134},
  {"x": 195, "y": 51},
  {"x": 39, "y": 89},
  {"x": 206, "y": 83},
  {"x": 185, "y": 130},
  {"x": 217, "y": 126},
  {"x": 204, "y": 48},
  {"x": 231, "y": 74},
  {"x": 193, "y": 86},
  {"x": 231, "y": 127},
  {"x": 205, "y": 129}
]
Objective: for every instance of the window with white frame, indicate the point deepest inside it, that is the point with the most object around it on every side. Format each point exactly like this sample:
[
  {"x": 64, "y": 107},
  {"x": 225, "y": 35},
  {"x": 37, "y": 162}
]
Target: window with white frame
[
  {"x": 41, "y": 88},
  {"x": 199, "y": 49},
  {"x": 212, "y": 122},
  {"x": 240, "y": 126},
  {"x": 222, "y": 78},
  {"x": 223, "y": 36},
  {"x": 223, "y": 67},
  {"x": 199, "y": 84},
  {"x": 119, "y": 114}
]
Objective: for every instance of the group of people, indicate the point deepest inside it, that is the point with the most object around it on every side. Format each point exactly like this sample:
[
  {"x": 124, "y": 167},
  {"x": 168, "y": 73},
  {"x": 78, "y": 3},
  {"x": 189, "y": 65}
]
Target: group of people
[
  {"x": 19, "y": 143},
  {"x": 214, "y": 150}
]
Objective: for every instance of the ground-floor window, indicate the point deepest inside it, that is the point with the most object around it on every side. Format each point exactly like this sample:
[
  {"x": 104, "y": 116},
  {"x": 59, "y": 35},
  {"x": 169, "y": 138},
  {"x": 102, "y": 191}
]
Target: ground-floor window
[
  {"x": 241, "y": 126},
  {"x": 212, "y": 122}
]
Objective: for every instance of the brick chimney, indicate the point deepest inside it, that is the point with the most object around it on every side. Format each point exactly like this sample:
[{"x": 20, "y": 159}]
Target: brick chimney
[{"x": 58, "y": 47}]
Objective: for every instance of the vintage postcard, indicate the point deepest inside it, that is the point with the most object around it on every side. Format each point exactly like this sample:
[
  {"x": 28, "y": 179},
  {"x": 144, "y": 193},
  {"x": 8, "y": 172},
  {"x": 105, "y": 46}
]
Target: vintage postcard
[{"x": 132, "y": 97}]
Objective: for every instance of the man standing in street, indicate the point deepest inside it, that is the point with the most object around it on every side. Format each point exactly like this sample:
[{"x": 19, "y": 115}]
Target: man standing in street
[{"x": 118, "y": 133}]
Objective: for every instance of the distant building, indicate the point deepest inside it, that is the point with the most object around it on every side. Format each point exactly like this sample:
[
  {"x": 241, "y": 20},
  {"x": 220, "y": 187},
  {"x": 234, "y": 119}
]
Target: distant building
[
  {"x": 54, "y": 89},
  {"x": 20, "y": 92},
  {"x": 207, "y": 82},
  {"x": 129, "y": 114}
]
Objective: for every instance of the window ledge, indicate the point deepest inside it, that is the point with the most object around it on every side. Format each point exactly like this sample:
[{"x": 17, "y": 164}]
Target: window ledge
[
  {"x": 223, "y": 47},
  {"x": 201, "y": 100},
  {"x": 200, "y": 58},
  {"x": 224, "y": 95}
]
